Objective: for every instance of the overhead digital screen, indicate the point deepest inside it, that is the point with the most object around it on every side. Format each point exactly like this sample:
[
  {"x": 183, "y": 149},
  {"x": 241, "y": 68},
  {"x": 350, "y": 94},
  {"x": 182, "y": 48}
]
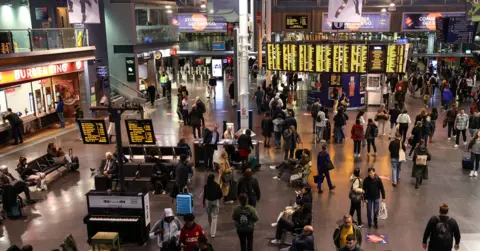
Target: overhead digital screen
[
  {"x": 306, "y": 57},
  {"x": 93, "y": 131},
  {"x": 323, "y": 58},
  {"x": 395, "y": 58},
  {"x": 140, "y": 131},
  {"x": 296, "y": 22},
  {"x": 376, "y": 59},
  {"x": 358, "y": 58}
]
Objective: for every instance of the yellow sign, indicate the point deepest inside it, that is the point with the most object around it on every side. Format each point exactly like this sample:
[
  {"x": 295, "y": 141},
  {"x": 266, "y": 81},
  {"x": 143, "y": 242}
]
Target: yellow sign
[
  {"x": 358, "y": 58},
  {"x": 140, "y": 131},
  {"x": 93, "y": 131}
]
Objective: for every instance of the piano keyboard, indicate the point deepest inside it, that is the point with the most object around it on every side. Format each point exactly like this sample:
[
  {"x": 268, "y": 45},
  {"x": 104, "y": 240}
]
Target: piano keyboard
[{"x": 114, "y": 219}]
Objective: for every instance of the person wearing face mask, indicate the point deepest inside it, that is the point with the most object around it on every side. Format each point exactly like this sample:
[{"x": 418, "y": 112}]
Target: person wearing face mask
[
  {"x": 345, "y": 229},
  {"x": 351, "y": 244},
  {"x": 167, "y": 231}
]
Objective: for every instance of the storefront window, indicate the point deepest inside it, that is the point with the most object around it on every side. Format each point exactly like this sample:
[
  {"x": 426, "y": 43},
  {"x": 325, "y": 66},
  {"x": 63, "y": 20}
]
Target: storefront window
[
  {"x": 3, "y": 102},
  {"x": 20, "y": 99},
  {"x": 39, "y": 96}
]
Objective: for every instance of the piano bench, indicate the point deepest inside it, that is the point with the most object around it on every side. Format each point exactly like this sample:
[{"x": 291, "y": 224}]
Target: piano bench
[{"x": 105, "y": 238}]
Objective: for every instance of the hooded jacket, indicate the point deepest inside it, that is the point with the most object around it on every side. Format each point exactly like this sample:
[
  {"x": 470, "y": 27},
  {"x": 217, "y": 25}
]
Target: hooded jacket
[{"x": 170, "y": 230}]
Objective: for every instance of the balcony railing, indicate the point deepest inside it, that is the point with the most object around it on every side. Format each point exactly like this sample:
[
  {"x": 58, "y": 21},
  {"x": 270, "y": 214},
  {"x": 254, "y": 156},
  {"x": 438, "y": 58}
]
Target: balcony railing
[
  {"x": 147, "y": 34},
  {"x": 26, "y": 40}
]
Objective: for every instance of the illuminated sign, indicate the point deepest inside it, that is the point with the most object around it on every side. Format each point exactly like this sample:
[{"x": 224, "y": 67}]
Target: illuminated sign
[
  {"x": 369, "y": 22},
  {"x": 198, "y": 22},
  {"x": 395, "y": 58},
  {"x": 39, "y": 72},
  {"x": 93, "y": 131},
  {"x": 296, "y": 22},
  {"x": 140, "y": 131},
  {"x": 424, "y": 21},
  {"x": 376, "y": 59}
]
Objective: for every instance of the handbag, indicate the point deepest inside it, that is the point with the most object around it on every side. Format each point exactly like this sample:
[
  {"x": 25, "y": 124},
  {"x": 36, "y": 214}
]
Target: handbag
[
  {"x": 382, "y": 211},
  {"x": 401, "y": 155},
  {"x": 329, "y": 165},
  {"x": 354, "y": 196},
  {"x": 296, "y": 177}
]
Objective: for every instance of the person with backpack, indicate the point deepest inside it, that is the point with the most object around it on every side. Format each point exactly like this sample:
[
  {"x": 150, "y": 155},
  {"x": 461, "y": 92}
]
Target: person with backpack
[
  {"x": 212, "y": 193},
  {"x": 420, "y": 167},
  {"x": 441, "y": 232},
  {"x": 323, "y": 160},
  {"x": 320, "y": 125},
  {"x": 357, "y": 136},
  {"x": 245, "y": 217},
  {"x": 276, "y": 102},
  {"x": 248, "y": 185},
  {"x": 267, "y": 129},
  {"x": 356, "y": 196},
  {"x": 370, "y": 134},
  {"x": 167, "y": 231},
  {"x": 314, "y": 112}
]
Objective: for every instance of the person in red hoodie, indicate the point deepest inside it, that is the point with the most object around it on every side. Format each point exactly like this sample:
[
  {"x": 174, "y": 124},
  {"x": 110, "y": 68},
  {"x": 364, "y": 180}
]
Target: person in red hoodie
[
  {"x": 357, "y": 136},
  {"x": 190, "y": 233}
]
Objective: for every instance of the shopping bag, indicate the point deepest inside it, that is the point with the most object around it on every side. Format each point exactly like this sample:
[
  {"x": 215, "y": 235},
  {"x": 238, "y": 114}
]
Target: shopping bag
[
  {"x": 382, "y": 211},
  {"x": 401, "y": 155}
]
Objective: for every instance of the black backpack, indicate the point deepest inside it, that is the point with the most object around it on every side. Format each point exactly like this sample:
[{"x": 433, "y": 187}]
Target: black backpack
[
  {"x": 442, "y": 230},
  {"x": 315, "y": 109}
]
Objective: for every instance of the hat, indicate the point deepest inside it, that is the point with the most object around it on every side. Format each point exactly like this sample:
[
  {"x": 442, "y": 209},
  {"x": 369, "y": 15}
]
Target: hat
[
  {"x": 3, "y": 167},
  {"x": 168, "y": 212}
]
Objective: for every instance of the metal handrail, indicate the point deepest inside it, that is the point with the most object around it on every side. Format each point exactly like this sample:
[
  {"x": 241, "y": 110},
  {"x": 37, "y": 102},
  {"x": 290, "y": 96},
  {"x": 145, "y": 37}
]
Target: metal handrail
[
  {"x": 129, "y": 87},
  {"x": 41, "y": 29}
]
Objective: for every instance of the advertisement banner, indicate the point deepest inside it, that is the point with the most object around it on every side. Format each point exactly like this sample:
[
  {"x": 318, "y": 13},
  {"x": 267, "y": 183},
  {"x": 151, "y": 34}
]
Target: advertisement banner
[
  {"x": 83, "y": 12},
  {"x": 369, "y": 22},
  {"x": 217, "y": 70},
  {"x": 473, "y": 10},
  {"x": 32, "y": 73},
  {"x": 198, "y": 22},
  {"x": 345, "y": 11},
  {"x": 424, "y": 21}
]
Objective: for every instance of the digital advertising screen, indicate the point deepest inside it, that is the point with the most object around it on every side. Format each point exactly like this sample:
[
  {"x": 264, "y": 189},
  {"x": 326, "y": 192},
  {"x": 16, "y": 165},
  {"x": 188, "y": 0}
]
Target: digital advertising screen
[{"x": 217, "y": 68}]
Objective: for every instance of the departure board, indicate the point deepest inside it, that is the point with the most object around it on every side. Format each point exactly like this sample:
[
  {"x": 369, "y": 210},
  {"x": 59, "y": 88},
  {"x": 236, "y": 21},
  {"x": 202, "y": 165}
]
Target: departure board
[
  {"x": 376, "y": 58},
  {"x": 93, "y": 131},
  {"x": 323, "y": 58},
  {"x": 395, "y": 58},
  {"x": 341, "y": 58},
  {"x": 358, "y": 58},
  {"x": 140, "y": 131},
  {"x": 270, "y": 57},
  {"x": 293, "y": 57},
  {"x": 278, "y": 58},
  {"x": 306, "y": 57},
  {"x": 286, "y": 57}
]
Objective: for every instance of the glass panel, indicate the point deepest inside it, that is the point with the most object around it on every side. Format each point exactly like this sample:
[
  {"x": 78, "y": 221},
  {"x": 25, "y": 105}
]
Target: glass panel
[
  {"x": 18, "y": 98},
  {"x": 21, "y": 41},
  {"x": 141, "y": 17},
  {"x": 39, "y": 98},
  {"x": 54, "y": 39},
  {"x": 156, "y": 34},
  {"x": 3, "y": 102},
  {"x": 39, "y": 39},
  {"x": 69, "y": 40}
]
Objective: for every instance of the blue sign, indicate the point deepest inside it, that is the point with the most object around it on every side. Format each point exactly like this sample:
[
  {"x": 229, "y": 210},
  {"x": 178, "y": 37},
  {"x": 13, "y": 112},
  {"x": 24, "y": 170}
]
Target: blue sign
[
  {"x": 218, "y": 46},
  {"x": 102, "y": 71},
  {"x": 401, "y": 41}
]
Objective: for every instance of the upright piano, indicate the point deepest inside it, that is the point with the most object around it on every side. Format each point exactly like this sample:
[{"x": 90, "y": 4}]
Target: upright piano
[{"x": 127, "y": 213}]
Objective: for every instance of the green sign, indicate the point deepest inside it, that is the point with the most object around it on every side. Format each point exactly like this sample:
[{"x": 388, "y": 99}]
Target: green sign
[
  {"x": 473, "y": 10},
  {"x": 131, "y": 69}
]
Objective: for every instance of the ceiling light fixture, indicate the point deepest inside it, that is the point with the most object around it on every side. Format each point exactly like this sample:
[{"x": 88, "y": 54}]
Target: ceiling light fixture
[
  {"x": 203, "y": 6},
  {"x": 392, "y": 4},
  {"x": 384, "y": 10},
  {"x": 169, "y": 11},
  {"x": 168, "y": 7}
]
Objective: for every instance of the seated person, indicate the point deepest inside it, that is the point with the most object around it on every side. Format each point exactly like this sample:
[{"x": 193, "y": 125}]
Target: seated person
[
  {"x": 19, "y": 186},
  {"x": 303, "y": 241},
  {"x": 30, "y": 175},
  {"x": 115, "y": 156},
  {"x": 303, "y": 197},
  {"x": 109, "y": 166},
  {"x": 291, "y": 164},
  {"x": 57, "y": 154},
  {"x": 161, "y": 172},
  {"x": 183, "y": 143},
  {"x": 300, "y": 218}
]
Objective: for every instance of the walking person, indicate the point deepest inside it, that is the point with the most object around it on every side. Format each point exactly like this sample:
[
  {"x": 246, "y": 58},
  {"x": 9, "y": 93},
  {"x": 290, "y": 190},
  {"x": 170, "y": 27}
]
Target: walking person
[
  {"x": 427, "y": 128},
  {"x": 258, "y": 97},
  {"x": 386, "y": 94},
  {"x": 427, "y": 93},
  {"x": 163, "y": 83},
  {"x": 370, "y": 134},
  {"x": 441, "y": 231},
  {"x": 321, "y": 124},
  {"x": 314, "y": 112},
  {"x": 403, "y": 122},
  {"x": 185, "y": 115},
  {"x": 400, "y": 96},
  {"x": 382, "y": 117},
  {"x": 420, "y": 168},
  {"x": 231, "y": 93},
  {"x": 210, "y": 140},
  {"x": 78, "y": 115},
  {"x": 433, "y": 121},
  {"x": 60, "y": 111},
  {"x": 351, "y": 244},
  {"x": 449, "y": 121},
  {"x": 340, "y": 120},
  {"x": 212, "y": 193},
  {"x": 225, "y": 178},
  {"x": 323, "y": 160},
  {"x": 267, "y": 129},
  {"x": 356, "y": 196},
  {"x": 415, "y": 138},
  {"x": 196, "y": 121},
  {"x": 277, "y": 130},
  {"x": 395, "y": 147},
  {"x": 474, "y": 147},
  {"x": 190, "y": 233},
  {"x": 248, "y": 185},
  {"x": 343, "y": 230},
  {"x": 363, "y": 123},
  {"x": 474, "y": 123},
  {"x": 151, "y": 90},
  {"x": 167, "y": 231},
  {"x": 461, "y": 125},
  {"x": 373, "y": 187},
  {"x": 245, "y": 217},
  {"x": 357, "y": 136},
  {"x": 291, "y": 138},
  {"x": 393, "y": 114},
  {"x": 448, "y": 98}
]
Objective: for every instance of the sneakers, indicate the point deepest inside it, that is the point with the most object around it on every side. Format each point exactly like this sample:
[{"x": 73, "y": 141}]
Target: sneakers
[
  {"x": 274, "y": 224},
  {"x": 273, "y": 167},
  {"x": 276, "y": 178},
  {"x": 369, "y": 155},
  {"x": 360, "y": 225},
  {"x": 213, "y": 236},
  {"x": 475, "y": 174},
  {"x": 472, "y": 173},
  {"x": 456, "y": 146},
  {"x": 323, "y": 141},
  {"x": 333, "y": 188},
  {"x": 275, "y": 241},
  {"x": 465, "y": 143},
  {"x": 448, "y": 138}
]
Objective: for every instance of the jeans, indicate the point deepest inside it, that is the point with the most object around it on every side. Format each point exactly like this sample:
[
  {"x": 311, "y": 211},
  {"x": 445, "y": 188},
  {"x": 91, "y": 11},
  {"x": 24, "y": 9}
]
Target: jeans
[
  {"x": 371, "y": 142},
  {"x": 329, "y": 181},
  {"x": 209, "y": 157},
  {"x": 396, "y": 168},
  {"x": 356, "y": 146},
  {"x": 425, "y": 138},
  {"x": 319, "y": 132},
  {"x": 246, "y": 240},
  {"x": 259, "y": 106},
  {"x": 287, "y": 155},
  {"x": 473, "y": 132},
  {"x": 186, "y": 121},
  {"x": 283, "y": 225},
  {"x": 61, "y": 118},
  {"x": 356, "y": 206},
  {"x": 338, "y": 133},
  {"x": 196, "y": 128},
  {"x": 372, "y": 205},
  {"x": 476, "y": 160},
  {"x": 446, "y": 104},
  {"x": 392, "y": 125},
  {"x": 278, "y": 138},
  {"x": 212, "y": 213},
  {"x": 464, "y": 134}
]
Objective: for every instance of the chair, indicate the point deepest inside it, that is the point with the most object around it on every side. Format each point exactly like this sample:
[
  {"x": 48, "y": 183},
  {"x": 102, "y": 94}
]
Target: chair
[
  {"x": 166, "y": 152},
  {"x": 105, "y": 238}
]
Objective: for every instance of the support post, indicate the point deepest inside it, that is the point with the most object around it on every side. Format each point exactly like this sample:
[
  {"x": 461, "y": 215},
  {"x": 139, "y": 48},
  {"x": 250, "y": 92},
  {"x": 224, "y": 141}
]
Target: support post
[{"x": 242, "y": 58}]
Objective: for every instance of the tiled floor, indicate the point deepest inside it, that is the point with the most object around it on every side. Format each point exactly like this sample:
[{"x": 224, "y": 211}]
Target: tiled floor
[{"x": 63, "y": 207}]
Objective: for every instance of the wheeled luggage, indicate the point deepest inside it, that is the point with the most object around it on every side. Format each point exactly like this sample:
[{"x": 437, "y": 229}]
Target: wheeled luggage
[
  {"x": 184, "y": 203},
  {"x": 14, "y": 210}
]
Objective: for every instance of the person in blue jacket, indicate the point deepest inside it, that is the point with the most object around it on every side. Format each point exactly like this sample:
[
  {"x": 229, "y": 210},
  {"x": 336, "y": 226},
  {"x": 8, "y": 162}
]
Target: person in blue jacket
[
  {"x": 60, "y": 111},
  {"x": 447, "y": 98},
  {"x": 322, "y": 159}
]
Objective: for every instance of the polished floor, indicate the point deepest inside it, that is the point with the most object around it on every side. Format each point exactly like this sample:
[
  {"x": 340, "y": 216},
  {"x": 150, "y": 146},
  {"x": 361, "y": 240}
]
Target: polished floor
[{"x": 60, "y": 211}]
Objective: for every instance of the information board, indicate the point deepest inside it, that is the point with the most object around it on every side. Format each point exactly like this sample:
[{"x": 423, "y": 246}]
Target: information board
[
  {"x": 341, "y": 58},
  {"x": 296, "y": 22},
  {"x": 395, "y": 58},
  {"x": 140, "y": 131},
  {"x": 93, "y": 131},
  {"x": 376, "y": 58},
  {"x": 459, "y": 30},
  {"x": 323, "y": 58},
  {"x": 358, "y": 58},
  {"x": 306, "y": 57}
]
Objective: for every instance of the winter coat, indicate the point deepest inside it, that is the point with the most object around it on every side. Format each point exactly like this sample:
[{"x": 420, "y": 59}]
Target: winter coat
[
  {"x": 357, "y": 132},
  {"x": 290, "y": 139},
  {"x": 420, "y": 171},
  {"x": 195, "y": 117},
  {"x": 267, "y": 127},
  {"x": 369, "y": 131}
]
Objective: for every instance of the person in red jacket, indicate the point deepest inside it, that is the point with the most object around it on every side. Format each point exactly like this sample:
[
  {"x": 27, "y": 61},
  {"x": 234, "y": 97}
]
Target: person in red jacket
[
  {"x": 357, "y": 136},
  {"x": 190, "y": 233}
]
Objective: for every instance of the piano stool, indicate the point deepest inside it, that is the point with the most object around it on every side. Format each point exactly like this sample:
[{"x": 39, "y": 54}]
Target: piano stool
[{"x": 105, "y": 238}]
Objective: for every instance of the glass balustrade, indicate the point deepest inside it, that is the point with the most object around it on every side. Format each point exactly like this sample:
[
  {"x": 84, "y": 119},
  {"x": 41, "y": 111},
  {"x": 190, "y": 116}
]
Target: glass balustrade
[{"x": 147, "y": 34}]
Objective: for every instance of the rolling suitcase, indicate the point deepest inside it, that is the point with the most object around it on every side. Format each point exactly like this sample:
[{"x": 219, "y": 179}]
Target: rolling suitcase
[
  {"x": 15, "y": 210},
  {"x": 467, "y": 163},
  {"x": 184, "y": 203}
]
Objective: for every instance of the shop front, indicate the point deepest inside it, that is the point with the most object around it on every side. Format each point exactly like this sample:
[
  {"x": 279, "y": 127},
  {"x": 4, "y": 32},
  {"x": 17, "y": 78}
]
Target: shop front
[
  {"x": 151, "y": 65},
  {"x": 33, "y": 93}
]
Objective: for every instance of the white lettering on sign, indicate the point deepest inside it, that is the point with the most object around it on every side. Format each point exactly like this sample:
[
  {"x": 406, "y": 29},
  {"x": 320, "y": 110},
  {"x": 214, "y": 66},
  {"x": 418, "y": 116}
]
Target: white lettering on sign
[{"x": 42, "y": 71}]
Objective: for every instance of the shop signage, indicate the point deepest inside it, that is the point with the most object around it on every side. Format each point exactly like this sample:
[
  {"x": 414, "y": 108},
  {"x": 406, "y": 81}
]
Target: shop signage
[
  {"x": 131, "y": 69},
  {"x": 473, "y": 10},
  {"x": 102, "y": 71},
  {"x": 198, "y": 22},
  {"x": 39, "y": 72},
  {"x": 218, "y": 45},
  {"x": 424, "y": 21},
  {"x": 296, "y": 22},
  {"x": 369, "y": 22}
]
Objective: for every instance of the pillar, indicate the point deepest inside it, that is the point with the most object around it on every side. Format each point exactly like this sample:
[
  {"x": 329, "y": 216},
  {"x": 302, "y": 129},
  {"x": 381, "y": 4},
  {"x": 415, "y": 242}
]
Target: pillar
[
  {"x": 431, "y": 42},
  {"x": 242, "y": 63}
]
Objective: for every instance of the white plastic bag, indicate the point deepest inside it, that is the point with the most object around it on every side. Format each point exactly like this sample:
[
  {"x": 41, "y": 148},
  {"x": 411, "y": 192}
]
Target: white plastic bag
[{"x": 382, "y": 211}]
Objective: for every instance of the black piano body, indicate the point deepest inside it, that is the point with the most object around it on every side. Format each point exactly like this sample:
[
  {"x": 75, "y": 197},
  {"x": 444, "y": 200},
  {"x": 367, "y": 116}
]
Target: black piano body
[{"x": 126, "y": 213}]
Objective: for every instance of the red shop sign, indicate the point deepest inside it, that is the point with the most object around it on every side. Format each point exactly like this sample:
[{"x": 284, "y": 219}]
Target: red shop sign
[{"x": 39, "y": 72}]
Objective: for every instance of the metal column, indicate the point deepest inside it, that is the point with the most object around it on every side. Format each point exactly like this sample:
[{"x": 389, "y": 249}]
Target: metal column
[{"x": 242, "y": 63}]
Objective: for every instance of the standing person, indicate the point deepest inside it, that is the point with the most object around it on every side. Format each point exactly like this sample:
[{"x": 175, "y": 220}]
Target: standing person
[
  {"x": 245, "y": 146},
  {"x": 340, "y": 120},
  {"x": 16, "y": 125},
  {"x": 427, "y": 93},
  {"x": 433, "y": 121},
  {"x": 394, "y": 147},
  {"x": 343, "y": 230},
  {"x": 290, "y": 120},
  {"x": 212, "y": 84},
  {"x": 393, "y": 114},
  {"x": 167, "y": 231},
  {"x": 427, "y": 128},
  {"x": 320, "y": 124},
  {"x": 60, "y": 109},
  {"x": 278, "y": 129},
  {"x": 474, "y": 147},
  {"x": 474, "y": 123},
  {"x": 248, "y": 185},
  {"x": 450, "y": 118},
  {"x": 400, "y": 97},
  {"x": 185, "y": 115},
  {"x": 420, "y": 168},
  {"x": 373, "y": 187},
  {"x": 190, "y": 233},
  {"x": 245, "y": 217},
  {"x": 461, "y": 125},
  {"x": 403, "y": 122},
  {"x": 295, "y": 81},
  {"x": 335, "y": 97},
  {"x": 258, "y": 97},
  {"x": 231, "y": 93},
  {"x": 363, "y": 123},
  {"x": 225, "y": 177},
  {"x": 78, "y": 115},
  {"x": 212, "y": 193},
  {"x": 267, "y": 129},
  {"x": 370, "y": 134},
  {"x": 210, "y": 140},
  {"x": 356, "y": 196},
  {"x": 163, "y": 83},
  {"x": 442, "y": 230},
  {"x": 416, "y": 137},
  {"x": 323, "y": 158},
  {"x": 196, "y": 121},
  {"x": 314, "y": 112},
  {"x": 291, "y": 139},
  {"x": 382, "y": 117},
  {"x": 151, "y": 90},
  {"x": 201, "y": 108},
  {"x": 447, "y": 98},
  {"x": 168, "y": 87},
  {"x": 357, "y": 136},
  {"x": 386, "y": 94}
]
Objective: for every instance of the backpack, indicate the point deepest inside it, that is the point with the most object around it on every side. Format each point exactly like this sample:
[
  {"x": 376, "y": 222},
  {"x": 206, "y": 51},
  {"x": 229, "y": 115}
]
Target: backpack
[
  {"x": 201, "y": 107},
  {"x": 244, "y": 223},
  {"x": 374, "y": 131},
  {"x": 275, "y": 103},
  {"x": 318, "y": 118},
  {"x": 315, "y": 109},
  {"x": 443, "y": 231}
]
